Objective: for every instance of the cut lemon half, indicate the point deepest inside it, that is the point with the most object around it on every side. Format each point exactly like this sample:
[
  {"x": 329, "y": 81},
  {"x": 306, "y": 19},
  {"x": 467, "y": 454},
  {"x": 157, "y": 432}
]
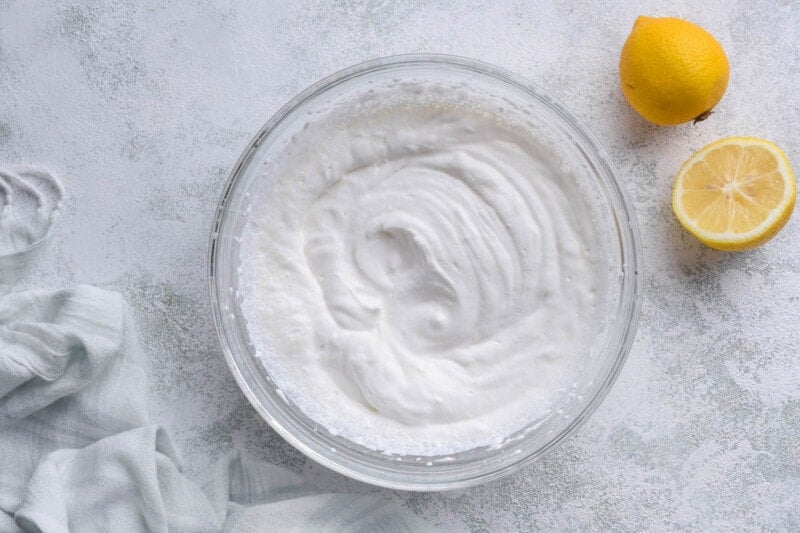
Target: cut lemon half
[{"x": 735, "y": 194}]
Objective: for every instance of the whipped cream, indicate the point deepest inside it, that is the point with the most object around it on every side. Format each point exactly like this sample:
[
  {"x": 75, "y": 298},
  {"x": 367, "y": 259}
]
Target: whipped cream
[
  {"x": 30, "y": 200},
  {"x": 421, "y": 278}
]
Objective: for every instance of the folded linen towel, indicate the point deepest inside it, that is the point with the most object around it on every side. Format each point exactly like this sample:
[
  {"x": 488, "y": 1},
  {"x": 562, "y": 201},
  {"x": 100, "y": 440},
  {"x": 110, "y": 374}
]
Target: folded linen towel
[
  {"x": 69, "y": 375},
  {"x": 77, "y": 451}
]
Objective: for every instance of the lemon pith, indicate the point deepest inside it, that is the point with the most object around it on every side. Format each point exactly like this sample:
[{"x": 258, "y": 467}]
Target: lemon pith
[
  {"x": 672, "y": 71},
  {"x": 735, "y": 193}
]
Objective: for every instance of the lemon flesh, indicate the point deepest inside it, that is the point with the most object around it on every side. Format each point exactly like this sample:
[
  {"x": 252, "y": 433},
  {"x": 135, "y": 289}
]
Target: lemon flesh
[
  {"x": 735, "y": 194},
  {"x": 672, "y": 71}
]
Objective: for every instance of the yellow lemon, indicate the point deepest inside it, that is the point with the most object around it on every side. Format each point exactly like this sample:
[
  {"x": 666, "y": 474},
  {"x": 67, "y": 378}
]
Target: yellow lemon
[
  {"x": 735, "y": 194},
  {"x": 672, "y": 71}
]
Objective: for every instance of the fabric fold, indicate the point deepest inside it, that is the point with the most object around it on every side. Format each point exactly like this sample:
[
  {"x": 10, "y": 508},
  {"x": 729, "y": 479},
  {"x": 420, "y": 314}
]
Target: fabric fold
[
  {"x": 126, "y": 482},
  {"x": 70, "y": 374},
  {"x": 78, "y": 452}
]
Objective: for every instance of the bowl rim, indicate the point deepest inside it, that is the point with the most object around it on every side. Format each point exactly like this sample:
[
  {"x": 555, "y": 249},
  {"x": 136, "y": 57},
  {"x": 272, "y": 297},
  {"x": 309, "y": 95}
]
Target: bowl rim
[{"x": 629, "y": 241}]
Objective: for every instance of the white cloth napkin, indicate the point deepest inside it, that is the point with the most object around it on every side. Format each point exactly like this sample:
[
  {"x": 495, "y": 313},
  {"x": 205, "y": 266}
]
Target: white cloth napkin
[{"x": 78, "y": 452}]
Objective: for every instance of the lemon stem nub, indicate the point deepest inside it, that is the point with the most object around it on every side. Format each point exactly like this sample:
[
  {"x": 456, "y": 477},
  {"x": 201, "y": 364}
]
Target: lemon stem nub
[{"x": 702, "y": 116}]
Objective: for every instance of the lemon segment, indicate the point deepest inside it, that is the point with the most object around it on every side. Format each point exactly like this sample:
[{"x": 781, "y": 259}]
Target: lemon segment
[{"x": 735, "y": 193}]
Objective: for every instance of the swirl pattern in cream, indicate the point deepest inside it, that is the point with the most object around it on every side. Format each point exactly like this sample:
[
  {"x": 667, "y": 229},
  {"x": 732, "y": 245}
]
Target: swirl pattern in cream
[{"x": 427, "y": 284}]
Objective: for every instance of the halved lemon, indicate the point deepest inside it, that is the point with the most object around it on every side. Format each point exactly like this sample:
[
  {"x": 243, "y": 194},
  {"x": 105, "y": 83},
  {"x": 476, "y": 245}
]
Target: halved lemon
[{"x": 735, "y": 194}]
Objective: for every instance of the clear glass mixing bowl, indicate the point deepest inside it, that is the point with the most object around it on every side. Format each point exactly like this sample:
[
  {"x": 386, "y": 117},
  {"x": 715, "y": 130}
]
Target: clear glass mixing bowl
[{"x": 577, "y": 148}]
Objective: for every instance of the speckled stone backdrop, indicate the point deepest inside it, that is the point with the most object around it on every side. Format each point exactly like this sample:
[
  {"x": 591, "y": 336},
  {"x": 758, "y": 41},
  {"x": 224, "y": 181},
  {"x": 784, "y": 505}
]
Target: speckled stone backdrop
[{"x": 143, "y": 109}]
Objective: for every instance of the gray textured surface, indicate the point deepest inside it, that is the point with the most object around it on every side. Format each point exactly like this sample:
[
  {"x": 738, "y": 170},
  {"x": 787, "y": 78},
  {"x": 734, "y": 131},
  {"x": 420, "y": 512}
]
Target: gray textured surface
[{"x": 143, "y": 110}]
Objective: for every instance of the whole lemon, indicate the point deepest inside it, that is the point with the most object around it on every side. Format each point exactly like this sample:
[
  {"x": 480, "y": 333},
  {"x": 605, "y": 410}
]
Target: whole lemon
[{"x": 672, "y": 71}]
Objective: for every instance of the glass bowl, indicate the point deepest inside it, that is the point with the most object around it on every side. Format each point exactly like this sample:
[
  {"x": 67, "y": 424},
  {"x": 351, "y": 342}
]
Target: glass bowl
[{"x": 578, "y": 148}]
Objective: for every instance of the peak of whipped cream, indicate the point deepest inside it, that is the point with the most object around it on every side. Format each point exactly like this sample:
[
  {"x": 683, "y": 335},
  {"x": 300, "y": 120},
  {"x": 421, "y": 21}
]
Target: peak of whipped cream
[{"x": 30, "y": 200}]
